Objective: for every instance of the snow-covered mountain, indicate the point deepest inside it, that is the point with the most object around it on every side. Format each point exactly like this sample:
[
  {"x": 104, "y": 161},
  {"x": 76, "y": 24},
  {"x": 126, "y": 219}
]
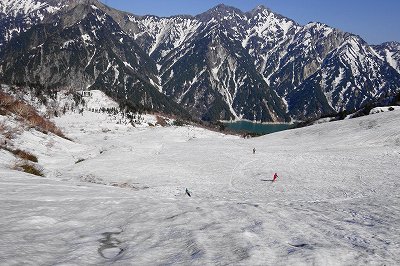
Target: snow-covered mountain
[
  {"x": 84, "y": 48},
  {"x": 24, "y": 7},
  {"x": 222, "y": 64},
  {"x": 350, "y": 77},
  {"x": 229, "y": 64},
  {"x": 390, "y": 52},
  {"x": 17, "y": 16}
]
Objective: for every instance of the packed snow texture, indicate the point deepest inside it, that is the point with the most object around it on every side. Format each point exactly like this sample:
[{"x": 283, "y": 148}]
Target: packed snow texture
[
  {"x": 116, "y": 195},
  {"x": 384, "y": 109},
  {"x": 95, "y": 99}
]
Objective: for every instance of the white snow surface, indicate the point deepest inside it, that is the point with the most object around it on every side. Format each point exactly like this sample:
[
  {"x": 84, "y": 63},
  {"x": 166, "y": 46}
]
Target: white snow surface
[
  {"x": 384, "y": 109},
  {"x": 336, "y": 201},
  {"x": 98, "y": 100},
  {"x": 23, "y": 7}
]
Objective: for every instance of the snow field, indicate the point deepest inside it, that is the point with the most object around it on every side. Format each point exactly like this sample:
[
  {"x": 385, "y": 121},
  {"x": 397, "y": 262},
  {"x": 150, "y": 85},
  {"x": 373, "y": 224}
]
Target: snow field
[{"x": 335, "y": 202}]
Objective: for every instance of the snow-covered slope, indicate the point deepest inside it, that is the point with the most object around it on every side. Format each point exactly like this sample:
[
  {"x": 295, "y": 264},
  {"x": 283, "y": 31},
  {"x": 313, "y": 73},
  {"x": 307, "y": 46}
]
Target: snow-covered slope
[
  {"x": 96, "y": 99},
  {"x": 117, "y": 195},
  {"x": 377, "y": 110}
]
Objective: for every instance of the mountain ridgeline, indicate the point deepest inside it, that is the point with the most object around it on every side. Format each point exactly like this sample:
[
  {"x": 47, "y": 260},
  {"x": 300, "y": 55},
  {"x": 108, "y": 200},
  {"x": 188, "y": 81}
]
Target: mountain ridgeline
[{"x": 220, "y": 65}]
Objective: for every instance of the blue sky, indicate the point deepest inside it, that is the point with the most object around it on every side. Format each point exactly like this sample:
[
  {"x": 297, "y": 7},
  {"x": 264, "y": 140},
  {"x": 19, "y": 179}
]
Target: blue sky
[{"x": 375, "y": 21}]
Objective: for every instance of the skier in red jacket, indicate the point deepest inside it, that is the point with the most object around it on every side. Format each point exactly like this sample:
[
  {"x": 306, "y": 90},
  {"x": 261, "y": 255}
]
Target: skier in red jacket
[{"x": 275, "y": 177}]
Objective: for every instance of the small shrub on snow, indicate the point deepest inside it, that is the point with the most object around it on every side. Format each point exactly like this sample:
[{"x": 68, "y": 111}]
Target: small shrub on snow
[
  {"x": 7, "y": 132},
  {"x": 22, "y": 110},
  {"x": 123, "y": 185},
  {"x": 29, "y": 168},
  {"x": 6, "y": 100},
  {"x": 28, "y": 114},
  {"x": 25, "y": 155},
  {"x": 178, "y": 123},
  {"x": 161, "y": 121},
  {"x": 90, "y": 178}
]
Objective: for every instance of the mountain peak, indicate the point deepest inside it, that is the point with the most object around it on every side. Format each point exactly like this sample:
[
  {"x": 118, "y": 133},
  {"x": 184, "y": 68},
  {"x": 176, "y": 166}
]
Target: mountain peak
[
  {"x": 220, "y": 12},
  {"x": 319, "y": 26},
  {"x": 260, "y": 8},
  {"x": 223, "y": 9},
  {"x": 391, "y": 44},
  {"x": 262, "y": 12}
]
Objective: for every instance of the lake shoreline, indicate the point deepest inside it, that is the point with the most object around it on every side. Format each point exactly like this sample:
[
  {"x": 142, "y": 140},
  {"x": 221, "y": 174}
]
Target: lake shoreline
[
  {"x": 256, "y": 122},
  {"x": 257, "y": 128}
]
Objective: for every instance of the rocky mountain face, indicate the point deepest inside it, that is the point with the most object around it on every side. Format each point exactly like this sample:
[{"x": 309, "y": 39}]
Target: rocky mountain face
[
  {"x": 222, "y": 64},
  {"x": 82, "y": 47},
  {"x": 350, "y": 76},
  {"x": 17, "y": 16},
  {"x": 389, "y": 52}
]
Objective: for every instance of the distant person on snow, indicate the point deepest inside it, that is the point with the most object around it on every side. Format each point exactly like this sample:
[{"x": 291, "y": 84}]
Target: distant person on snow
[
  {"x": 275, "y": 177},
  {"x": 254, "y": 150},
  {"x": 188, "y": 193}
]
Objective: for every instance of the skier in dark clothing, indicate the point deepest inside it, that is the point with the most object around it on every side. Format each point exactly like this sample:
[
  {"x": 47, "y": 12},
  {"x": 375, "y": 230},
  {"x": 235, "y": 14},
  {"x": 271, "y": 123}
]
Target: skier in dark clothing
[
  {"x": 188, "y": 193},
  {"x": 254, "y": 150}
]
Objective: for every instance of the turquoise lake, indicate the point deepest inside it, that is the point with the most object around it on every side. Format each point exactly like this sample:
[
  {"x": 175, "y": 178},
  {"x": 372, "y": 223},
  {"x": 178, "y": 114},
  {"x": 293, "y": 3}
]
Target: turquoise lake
[{"x": 246, "y": 126}]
